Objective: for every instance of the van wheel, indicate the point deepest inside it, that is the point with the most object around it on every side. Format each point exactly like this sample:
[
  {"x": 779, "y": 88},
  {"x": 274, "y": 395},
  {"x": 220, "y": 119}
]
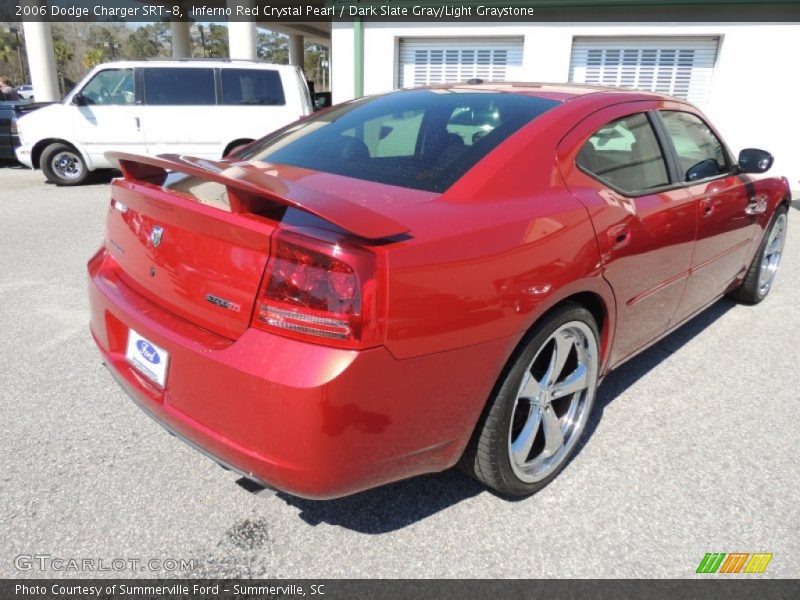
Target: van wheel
[
  {"x": 532, "y": 425},
  {"x": 63, "y": 165}
]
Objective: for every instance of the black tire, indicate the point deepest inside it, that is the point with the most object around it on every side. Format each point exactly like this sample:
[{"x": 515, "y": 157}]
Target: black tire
[
  {"x": 488, "y": 457},
  {"x": 753, "y": 290},
  {"x": 63, "y": 165}
]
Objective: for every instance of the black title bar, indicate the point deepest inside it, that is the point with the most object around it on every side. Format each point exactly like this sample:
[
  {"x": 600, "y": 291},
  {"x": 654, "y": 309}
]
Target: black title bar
[
  {"x": 497, "y": 11},
  {"x": 708, "y": 588}
]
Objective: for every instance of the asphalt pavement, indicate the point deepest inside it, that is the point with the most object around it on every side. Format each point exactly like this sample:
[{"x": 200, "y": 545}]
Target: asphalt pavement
[{"x": 693, "y": 449}]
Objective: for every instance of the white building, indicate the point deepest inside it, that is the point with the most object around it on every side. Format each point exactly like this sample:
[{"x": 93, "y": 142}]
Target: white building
[{"x": 743, "y": 75}]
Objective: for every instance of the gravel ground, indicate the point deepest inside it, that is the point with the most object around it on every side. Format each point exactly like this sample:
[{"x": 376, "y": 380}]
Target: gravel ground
[{"x": 693, "y": 450}]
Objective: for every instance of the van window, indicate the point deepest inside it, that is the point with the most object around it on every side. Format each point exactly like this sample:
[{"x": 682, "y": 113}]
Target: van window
[
  {"x": 110, "y": 87},
  {"x": 252, "y": 86},
  {"x": 179, "y": 87}
]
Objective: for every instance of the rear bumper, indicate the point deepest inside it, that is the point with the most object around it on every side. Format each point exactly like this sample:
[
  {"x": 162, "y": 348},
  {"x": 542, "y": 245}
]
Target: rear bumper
[{"x": 313, "y": 421}]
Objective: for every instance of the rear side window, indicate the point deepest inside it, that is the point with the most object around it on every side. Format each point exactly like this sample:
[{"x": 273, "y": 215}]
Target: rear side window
[
  {"x": 626, "y": 155},
  {"x": 700, "y": 153},
  {"x": 419, "y": 139},
  {"x": 179, "y": 87},
  {"x": 252, "y": 86}
]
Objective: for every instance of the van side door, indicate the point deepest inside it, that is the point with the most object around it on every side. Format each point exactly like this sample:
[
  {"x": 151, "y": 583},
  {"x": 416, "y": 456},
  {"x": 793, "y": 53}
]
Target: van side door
[
  {"x": 180, "y": 115},
  {"x": 257, "y": 101}
]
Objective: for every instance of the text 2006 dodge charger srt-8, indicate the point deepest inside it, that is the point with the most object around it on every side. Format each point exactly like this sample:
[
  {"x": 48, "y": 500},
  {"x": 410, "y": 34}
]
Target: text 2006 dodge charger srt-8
[{"x": 423, "y": 278}]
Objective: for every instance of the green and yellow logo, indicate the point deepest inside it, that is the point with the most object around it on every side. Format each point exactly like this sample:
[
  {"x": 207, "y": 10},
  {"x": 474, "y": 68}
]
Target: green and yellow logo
[{"x": 734, "y": 562}]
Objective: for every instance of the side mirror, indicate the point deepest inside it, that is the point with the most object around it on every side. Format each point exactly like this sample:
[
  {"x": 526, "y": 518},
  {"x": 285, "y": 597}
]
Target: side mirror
[
  {"x": 321, "y": 100},
  {"x": 702, "y": 170},
  {"x": 753, "y": 160},
  {"x": 79, "y": 100}
]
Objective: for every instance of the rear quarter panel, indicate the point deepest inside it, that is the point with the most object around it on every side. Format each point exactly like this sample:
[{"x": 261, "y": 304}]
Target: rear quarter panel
[{"x": 493, "y": 253}]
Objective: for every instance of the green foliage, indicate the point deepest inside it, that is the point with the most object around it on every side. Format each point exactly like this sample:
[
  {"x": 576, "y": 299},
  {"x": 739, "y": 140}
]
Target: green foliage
[
  {"x": 7, "y": 52},
  {"x": 149, "y": 41},
  {"x": 63, "y": 53},
  {"x": 272, "y": 47},
  {"x": 10, "y": 55},
  {"x": 215, "y": 38},
  {"x": 93, "y": 57}
]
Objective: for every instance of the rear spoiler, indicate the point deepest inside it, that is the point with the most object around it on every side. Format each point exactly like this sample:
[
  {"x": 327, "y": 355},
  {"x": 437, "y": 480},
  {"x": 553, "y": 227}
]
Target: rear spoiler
[{"x": 247, "y": 183}]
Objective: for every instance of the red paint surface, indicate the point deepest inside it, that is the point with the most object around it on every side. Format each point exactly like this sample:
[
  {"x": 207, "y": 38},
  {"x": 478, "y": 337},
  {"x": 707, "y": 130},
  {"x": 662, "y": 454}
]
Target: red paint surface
[{"x": 462, "y": 277}]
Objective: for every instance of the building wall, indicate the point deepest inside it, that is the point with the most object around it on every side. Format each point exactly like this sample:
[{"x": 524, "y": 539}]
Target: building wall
[{"x": 754, "y": 92}]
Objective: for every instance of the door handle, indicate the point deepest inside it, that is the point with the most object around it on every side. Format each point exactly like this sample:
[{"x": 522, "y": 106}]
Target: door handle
[
  {"x": 708, "y": 206},
  {"x": 757, "y": 205},
  {"x": 619, "y": 236},
  {"x": 138, "y": 123}
]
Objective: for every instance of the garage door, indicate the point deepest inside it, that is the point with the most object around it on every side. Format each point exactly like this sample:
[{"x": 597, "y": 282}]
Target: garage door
[
  {"x": 426, "y": 61},
  {"x": 677, "y": 66}
]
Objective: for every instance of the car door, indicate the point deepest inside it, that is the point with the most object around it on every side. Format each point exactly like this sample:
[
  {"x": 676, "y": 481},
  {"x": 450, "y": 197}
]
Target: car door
[
  {"x": 180, "y": 115},
  {"x": 725, "y": 227},
  {"x": 645, "y": 228},
  {"x": 107, "y": 116}
]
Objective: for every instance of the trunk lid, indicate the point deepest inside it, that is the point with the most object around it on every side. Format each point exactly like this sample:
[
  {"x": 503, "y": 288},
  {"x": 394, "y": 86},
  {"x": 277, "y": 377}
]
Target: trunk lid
[{"x": 193, "y": 235}]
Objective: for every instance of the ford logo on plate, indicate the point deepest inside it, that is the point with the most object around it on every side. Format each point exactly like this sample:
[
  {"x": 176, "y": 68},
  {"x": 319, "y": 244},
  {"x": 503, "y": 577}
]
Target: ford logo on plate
[{"x": 150, "y": 354}]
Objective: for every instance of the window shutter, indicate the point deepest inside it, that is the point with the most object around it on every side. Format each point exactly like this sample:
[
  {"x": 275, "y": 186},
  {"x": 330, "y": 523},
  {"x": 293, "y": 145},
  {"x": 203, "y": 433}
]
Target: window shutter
[{"x": 677, "y": 66}]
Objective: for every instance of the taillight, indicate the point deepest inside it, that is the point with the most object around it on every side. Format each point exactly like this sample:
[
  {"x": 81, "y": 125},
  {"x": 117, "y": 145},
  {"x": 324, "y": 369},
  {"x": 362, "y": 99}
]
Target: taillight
[
  {"x": 321, "y": 290},
  {"x": 14, "y": 128}
]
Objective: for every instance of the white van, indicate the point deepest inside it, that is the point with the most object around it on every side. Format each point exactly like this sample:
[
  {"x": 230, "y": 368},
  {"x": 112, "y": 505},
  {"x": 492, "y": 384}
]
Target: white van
[{"x": 204, "y": 108}]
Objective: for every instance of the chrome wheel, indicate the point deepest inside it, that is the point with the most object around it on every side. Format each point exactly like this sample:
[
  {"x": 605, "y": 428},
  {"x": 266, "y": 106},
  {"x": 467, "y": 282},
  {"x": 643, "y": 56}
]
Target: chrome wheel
[
  {"x": 772, "y": 254},
  {"x": 67, "y": 165},
  {"x": 553, "y": 402}
]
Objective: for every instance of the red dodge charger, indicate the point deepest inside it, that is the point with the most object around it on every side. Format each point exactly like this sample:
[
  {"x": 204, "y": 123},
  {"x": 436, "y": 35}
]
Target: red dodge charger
[{"x": 423, "y": 278}]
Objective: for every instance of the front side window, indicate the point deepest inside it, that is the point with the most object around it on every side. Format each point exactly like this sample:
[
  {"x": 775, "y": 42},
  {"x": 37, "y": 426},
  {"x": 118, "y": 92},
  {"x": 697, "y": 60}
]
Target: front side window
[
  {"x": 626, "y": 155},
  {"x": 700, "y": 153},
  {"x": 112, "y": 87},
  {"x": 252, "y": 86},
  {"x": 179, "y": 86},
  {"x": 419, "y": 139}
]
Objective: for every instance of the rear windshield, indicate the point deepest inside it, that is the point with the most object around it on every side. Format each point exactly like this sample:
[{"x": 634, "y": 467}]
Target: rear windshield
[{"x": 421, "y": 139}]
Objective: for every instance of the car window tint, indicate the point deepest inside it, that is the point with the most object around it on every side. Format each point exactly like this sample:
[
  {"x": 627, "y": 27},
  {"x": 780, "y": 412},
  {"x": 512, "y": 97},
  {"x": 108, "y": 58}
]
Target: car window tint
[
  {"x": 700, "y": 153},
  {"x": 111, "y": 87},
  {"x": 179, "y": 87},
  {"x": 252, "y": 86},
  {"x": 390, "y": 135},
  {"x": 626, "y": 155},
  {"x": 420, "y": 139},
  {"x": 472, "y": 125}
]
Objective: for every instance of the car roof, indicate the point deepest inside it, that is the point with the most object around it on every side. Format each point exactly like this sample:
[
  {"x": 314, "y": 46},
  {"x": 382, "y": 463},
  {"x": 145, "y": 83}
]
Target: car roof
[
  {"x": 213, "y": 63},
  {"x": 555, "y": 91}
]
